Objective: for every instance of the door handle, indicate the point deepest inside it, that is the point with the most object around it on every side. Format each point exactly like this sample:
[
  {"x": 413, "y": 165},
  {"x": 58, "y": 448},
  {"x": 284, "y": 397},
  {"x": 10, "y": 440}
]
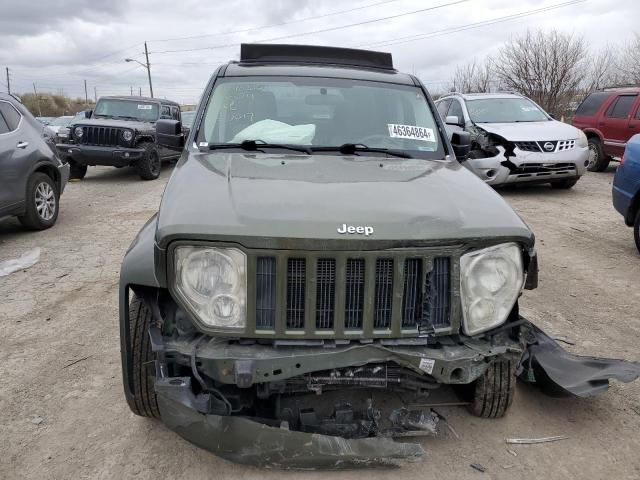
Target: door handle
[{"x": 22, "y": 144}]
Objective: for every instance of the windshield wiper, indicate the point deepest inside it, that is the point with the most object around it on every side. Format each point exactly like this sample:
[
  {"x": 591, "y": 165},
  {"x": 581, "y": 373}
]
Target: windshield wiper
[
  {"x": 258, "y": 145},
  {"x": 354, "y": 148}
]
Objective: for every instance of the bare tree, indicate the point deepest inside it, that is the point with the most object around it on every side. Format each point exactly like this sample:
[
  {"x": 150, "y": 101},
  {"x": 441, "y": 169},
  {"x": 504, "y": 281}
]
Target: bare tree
[
  {"x": 544, "y": 66},
  {"x": 601, "y": 70},
  {"x": 629, "y": 64},
  {"x": 473, "y": 77}
]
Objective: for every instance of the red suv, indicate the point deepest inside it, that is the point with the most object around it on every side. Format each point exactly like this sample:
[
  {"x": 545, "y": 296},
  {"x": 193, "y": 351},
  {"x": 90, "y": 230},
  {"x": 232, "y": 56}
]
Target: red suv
[{"x": 609, "y": 118}]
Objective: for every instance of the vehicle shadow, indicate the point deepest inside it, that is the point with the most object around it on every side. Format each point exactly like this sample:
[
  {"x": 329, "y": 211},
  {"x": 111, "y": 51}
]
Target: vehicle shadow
[{"x": 97, "y": 175}]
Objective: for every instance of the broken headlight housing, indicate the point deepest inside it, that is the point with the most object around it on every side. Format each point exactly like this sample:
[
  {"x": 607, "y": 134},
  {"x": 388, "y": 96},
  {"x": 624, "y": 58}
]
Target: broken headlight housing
[
  {"x": 490, "y": 281},
  {"x": 213, "y": 284}
]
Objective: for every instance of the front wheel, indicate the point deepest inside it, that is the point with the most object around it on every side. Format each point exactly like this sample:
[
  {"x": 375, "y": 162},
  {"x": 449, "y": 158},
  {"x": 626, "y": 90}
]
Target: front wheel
[
  {"x": 149, "y": 165},
  {"x": 491, "y": 394},
  {"x": 598, "y": 161},
  {"x": 143, "y": 372},
  {"x": 565, "y": 183},
  {"x": 42, "y": 202}
]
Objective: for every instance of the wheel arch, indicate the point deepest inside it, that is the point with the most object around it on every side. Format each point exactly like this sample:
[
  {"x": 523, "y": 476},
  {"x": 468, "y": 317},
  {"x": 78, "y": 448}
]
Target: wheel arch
[
  {"x": 634, "y": 206},
  {"x": 43, "y": 166}
]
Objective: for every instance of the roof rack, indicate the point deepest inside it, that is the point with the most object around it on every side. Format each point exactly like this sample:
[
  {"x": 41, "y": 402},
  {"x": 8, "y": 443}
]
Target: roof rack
[
  {"x": 616, "y": 87},
  {"x": 278, "y": 53}
]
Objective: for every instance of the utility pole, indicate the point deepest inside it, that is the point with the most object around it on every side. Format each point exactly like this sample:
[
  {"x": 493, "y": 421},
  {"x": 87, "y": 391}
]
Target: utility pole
[
  {"x": 8, "y": 82},
  {"x": 139, "y": 91},
  {"x": 86, "y": 97},
  {"x": 95, "y": 94},
  {"x": 146, "y": 54},
  {"x": 37, "y": 99},
  {"x": 131, "y": 88}
]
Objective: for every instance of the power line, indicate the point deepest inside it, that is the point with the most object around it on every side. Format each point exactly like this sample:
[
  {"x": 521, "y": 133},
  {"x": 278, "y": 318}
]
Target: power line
[
  {"x": 447, "y": 31},
  {"x": 324, "y": 30},
  {"x": 281, "y": 24}
]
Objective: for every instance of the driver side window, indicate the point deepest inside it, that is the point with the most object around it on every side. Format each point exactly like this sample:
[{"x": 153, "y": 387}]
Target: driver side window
[{"x": 456, "y": 110}]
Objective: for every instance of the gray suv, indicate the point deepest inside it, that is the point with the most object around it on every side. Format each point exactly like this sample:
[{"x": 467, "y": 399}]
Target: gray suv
[{"x": 32, "y": 176}]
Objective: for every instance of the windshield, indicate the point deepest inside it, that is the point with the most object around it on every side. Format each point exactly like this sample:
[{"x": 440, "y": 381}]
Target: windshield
[
  {"x": 127, "y": 109},
  {"x": 188, "y": 117},
  {"x": 60, "y": 121},
  {"x": 321, "y": 112},
  {"x": 505, "y": 110}
]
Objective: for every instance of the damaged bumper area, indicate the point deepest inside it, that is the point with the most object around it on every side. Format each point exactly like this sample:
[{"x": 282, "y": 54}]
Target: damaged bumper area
[
  {"x": 332, "y": 406},
  {"x": 560, "y": 373},
  {"x": 499, "y": 166},
  {"x": 301, "y": 407}
]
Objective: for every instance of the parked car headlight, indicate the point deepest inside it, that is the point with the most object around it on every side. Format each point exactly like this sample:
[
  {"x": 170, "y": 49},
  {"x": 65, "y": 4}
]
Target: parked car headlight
[
  {"x": 127, "y": 135},
  {"x": 582, "y": 140},
  {"x": 213, "y": 282},
  {"x": 77, "y": 132},
  {"x": 490, "y": 281}
]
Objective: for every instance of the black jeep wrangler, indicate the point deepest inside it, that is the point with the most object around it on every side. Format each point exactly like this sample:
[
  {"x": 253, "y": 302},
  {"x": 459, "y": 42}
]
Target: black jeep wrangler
[{"x": 120, "y": 132}]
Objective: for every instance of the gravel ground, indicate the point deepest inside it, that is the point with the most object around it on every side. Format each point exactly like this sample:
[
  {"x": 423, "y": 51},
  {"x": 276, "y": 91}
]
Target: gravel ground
[{"x": 63, "y": 414}]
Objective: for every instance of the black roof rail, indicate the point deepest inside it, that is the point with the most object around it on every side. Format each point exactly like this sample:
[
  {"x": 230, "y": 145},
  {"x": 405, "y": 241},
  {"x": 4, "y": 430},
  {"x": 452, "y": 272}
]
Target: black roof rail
[{"x": 279, "y": 53}]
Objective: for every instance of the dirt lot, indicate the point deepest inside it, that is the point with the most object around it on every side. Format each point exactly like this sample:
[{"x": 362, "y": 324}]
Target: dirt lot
[{"x": 63, "y": 415}]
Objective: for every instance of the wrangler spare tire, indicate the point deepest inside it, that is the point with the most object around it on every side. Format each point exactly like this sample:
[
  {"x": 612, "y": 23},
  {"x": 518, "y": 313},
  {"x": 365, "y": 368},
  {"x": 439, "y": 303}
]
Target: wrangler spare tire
[
  {"x": 143, "y": 372},
  {"x": 491, "y": 394}
]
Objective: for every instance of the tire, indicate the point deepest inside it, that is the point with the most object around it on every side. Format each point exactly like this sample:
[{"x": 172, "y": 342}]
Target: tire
[
  {"x": 565, "y": 183},
  {"x": 492, "y": 393},
  {"x": 77, "y": 171},
  {"x": 42, "y": 202},
  {"x": 150, "y": 164},
  {"x": 636, "y": 230},
  {"x": 598, "y": 161},
  {"x": 143, "y": 372}
]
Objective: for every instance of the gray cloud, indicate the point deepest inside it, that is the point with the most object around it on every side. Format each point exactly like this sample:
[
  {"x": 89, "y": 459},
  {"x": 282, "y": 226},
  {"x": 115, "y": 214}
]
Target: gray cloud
[{"x": 59, "y": 44}]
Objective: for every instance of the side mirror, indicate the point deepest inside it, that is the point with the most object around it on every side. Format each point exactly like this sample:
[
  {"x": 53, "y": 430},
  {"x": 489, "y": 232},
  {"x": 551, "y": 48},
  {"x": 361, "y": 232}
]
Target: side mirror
[
  {"x": 453, "y": 120},
  {"x": 461, "y": 143},
  {"x": 88, "y": 113},
  {"x": 169, "y": 134}
]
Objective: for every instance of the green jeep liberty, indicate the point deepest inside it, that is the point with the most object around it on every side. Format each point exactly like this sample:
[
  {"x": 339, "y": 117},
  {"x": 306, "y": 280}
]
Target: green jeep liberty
[{"x": 318, "y": 245}]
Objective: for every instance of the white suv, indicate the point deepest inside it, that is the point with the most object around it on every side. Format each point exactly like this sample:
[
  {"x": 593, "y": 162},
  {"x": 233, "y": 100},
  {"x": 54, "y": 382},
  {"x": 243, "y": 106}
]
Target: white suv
[{"x": 514, "y": 140}]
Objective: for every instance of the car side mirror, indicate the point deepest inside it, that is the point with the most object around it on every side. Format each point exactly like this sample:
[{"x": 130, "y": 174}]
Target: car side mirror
[
  {"x": 461, "y": 143},
  {"x": 169, "y": 134},
  {"x": 88, "y": 113},
  {"x": 454, "y": 120}
]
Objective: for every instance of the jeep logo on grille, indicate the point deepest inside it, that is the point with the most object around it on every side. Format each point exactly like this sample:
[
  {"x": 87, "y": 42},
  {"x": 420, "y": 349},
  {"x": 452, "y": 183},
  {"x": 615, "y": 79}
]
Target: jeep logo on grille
[
  {"x": 355, "y": 229},
  {"x": 549, "y": 147}
]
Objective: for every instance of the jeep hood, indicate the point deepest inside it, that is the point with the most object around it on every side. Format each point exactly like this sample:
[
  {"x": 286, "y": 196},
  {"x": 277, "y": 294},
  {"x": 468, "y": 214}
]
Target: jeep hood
[
  {"x": 112, "y": 122},
  {"x": 257, "y": 196},
  {"x": 532, "y": 131}
]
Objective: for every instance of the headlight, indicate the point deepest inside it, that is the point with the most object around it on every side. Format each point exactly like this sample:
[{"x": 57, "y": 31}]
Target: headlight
[
  {"x": 213, "y": 282},
  {"x": 490, "y": 282},
  {"x": 582, "y": 140},
  {"x": 127, "y": 135},
  {"x": 77, "y": 132}
]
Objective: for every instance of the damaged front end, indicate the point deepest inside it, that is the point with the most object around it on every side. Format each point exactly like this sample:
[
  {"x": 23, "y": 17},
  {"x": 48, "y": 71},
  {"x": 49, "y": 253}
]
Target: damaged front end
[
  {"x": 498, "y": 161},
  {"x": 332, "y": 405}
]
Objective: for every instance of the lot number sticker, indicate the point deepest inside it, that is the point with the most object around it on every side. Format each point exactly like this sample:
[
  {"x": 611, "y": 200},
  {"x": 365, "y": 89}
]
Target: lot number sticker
[
  {"x": 145, "y": 107},
  {"x": 411, "y": 132},
  {"x": 426, "y": 365}
]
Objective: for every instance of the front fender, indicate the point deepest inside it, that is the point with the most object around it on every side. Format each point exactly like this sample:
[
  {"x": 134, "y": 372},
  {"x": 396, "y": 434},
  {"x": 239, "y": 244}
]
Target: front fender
[{"x": 136, "y": 273}]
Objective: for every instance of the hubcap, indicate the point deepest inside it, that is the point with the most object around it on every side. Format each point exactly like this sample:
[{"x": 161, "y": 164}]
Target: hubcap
[
  {"x": 45, "y": 201},
  {"x": 593, "y": 155}
]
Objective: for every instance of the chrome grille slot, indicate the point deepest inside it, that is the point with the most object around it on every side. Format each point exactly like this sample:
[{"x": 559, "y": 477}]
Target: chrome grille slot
[
  {"x": 383, "y": 293},
  {"x": 325, "y": 292},
  {"x": 354, "y": 293},
  {"x": 296, "y": 286},
  {"x": 265, "y": 292}
]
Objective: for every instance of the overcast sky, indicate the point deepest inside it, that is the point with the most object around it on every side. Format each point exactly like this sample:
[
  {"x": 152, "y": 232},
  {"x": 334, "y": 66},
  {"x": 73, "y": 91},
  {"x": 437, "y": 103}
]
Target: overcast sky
[{"x": 57, "y": 44}]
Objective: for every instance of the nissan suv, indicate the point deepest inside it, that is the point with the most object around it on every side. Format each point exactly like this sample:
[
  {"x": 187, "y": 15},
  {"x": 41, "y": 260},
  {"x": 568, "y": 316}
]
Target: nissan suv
[
  {"x": 319, "y": 249},
  {"x": 609, "y": 118},
  {"x": 513, "y": 140}
]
